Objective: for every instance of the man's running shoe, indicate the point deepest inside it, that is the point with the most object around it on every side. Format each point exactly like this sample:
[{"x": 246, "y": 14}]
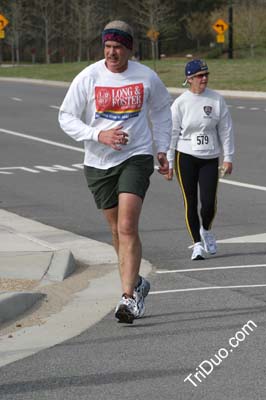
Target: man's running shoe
[
  {"x": 143, "y": 286},
  {"x": 141, "y": 291},
  {"x": 209, "y": 241},
  {"x": 127, "y": 310},
  {"x": 198, "y": 252}
]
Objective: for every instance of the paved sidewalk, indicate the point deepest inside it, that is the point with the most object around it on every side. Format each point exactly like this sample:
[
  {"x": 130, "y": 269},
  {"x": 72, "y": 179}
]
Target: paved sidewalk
[
  {"x": 37, "y": 261},
  {"x": 33, "y": 254}
]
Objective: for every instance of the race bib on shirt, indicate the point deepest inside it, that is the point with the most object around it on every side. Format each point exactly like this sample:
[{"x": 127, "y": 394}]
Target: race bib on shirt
[
  {"x": 119, "y": 103},
  {"x": 201, "y": 141}
]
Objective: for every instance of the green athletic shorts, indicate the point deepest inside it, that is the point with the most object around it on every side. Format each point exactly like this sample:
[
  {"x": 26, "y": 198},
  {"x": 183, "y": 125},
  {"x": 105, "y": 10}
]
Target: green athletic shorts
[{"x": 131, "y": 176}]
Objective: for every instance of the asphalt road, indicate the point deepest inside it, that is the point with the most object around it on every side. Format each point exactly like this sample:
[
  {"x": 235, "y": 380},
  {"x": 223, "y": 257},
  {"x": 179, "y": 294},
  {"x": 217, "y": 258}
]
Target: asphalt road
[{"x": 189, "y": 322}]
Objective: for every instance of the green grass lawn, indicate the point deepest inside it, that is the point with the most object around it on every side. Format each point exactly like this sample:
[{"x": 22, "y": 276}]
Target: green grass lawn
[{"x": 237, "y": 74}]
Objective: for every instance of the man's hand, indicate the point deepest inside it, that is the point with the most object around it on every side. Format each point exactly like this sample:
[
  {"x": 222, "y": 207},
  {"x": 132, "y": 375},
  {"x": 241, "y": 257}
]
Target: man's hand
[
  {"x": 114, "y": 137},
  {"x": 163, "y": 163}
]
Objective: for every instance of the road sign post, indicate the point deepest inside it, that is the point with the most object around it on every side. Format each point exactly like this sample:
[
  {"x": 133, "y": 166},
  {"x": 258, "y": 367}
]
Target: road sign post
[
  {"x": 230, "y": 33},
  {"x": 153, "y": 36}
]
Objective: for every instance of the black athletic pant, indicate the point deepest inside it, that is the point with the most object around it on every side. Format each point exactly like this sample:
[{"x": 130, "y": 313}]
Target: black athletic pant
[{"x": 193, "y": 172}]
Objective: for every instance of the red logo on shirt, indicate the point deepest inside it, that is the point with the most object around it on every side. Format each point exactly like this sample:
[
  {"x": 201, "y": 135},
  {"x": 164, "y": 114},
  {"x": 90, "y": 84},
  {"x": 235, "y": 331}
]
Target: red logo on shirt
[{"x": 119, "y": 103}]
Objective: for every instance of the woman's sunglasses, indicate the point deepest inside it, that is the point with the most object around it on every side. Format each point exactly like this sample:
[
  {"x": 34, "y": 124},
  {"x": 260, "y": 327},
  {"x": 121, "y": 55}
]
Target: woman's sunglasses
[{"x": 202, "y": 75}]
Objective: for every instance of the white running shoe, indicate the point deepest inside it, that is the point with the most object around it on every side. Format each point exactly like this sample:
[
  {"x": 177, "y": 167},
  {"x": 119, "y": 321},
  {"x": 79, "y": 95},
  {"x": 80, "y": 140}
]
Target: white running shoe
[
  {"x": 141, "y": 291},
  {"x": 143, "y": 286},
  {"x": 140, "y": 304},
  {"x": 127, "y": 310},
  {"x": 209, "y": 241},
  {"x": 198, "y": 252}
]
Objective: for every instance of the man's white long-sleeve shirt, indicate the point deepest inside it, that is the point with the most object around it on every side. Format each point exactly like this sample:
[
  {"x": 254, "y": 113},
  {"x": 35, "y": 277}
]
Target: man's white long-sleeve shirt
[
  {"x": 202, "y": 126},
  {"x": 99, "y": 99}
]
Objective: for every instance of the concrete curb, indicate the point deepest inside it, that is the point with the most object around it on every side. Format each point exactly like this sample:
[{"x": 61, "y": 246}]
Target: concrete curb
[
  {"x": 13, "y": 304},
  {"x": 56, "y": 266},
  {"x": 31, "y": 266},
  {"x": 58, "y": 253},
  {"x": 226, "y": 93},
  {"x": 86, "y": 308},
  {"x": 62, "y": 265}
]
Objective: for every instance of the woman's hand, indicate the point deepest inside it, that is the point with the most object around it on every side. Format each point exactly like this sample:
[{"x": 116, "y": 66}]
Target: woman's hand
[
  {"x": 163, "y": 163},
  {"x": 170, "y": 175},
  {"x": 228, "y": 167}
]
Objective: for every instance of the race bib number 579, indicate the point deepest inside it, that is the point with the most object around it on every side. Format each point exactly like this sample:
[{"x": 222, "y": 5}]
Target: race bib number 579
[{"x": 201, "y": 142}]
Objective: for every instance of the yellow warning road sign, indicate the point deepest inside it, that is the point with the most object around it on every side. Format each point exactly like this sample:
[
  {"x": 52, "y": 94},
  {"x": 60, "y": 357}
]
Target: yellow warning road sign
[
  {"x": 220, "y": 38},
  {"x": 153, "y": 34},
  {"x": 220, "y": 26},
  {"x": 3, "y": 22}
]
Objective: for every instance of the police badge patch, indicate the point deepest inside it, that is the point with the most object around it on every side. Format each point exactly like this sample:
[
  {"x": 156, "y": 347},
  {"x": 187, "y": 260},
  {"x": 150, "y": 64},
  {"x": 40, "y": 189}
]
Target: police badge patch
[{"x": 207, "y": 110}]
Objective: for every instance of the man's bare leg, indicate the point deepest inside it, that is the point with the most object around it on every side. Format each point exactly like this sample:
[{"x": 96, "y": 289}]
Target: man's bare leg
[
  {"x": 111, "y": 215},
  {"x": 130, "y": 251},
  {"x": 123, "y": 221}
]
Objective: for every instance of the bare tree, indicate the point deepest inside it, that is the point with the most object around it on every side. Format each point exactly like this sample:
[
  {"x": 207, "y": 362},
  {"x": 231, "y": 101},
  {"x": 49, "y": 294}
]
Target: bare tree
[
  {"x": 45, "y": 14},
  {"x": 13, "y": 37},
  {"x": 250, "y": 26},
  {"x": 92, "y": 23},
  {"x": 153, "y": 18},
  {"x": 80, "y": 25},
  {"x": 197, "y": 26},
  {"x": 149, "y": 14}
]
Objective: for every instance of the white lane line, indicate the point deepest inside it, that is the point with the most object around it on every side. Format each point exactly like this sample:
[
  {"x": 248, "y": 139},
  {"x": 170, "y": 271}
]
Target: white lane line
[
  {"x": 206, "y": 288},
  {"x": 254, "y": 108},
  {"x": 56, "y": 107},
  {"x": 64, "y": 146},
  {"x": 241, "y": 107},
  {"x": 235, "y": 183},
  {"x": 16, "y": 99},
  {"x": 172, "y": 271},
  {"x": 20, "y": 168},
  {"x": 246, "y": 185},
  {"x": 258, "y": 238}
]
